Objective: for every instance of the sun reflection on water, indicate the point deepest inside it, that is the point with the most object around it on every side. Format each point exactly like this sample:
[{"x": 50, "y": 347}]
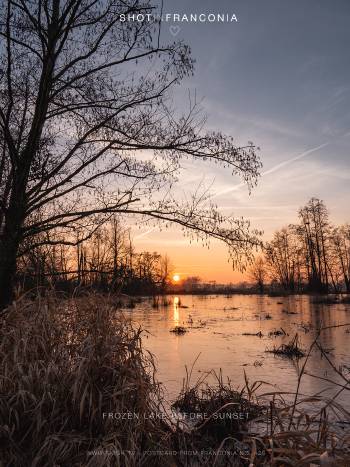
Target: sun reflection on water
[{"x": 176, "y": 316}]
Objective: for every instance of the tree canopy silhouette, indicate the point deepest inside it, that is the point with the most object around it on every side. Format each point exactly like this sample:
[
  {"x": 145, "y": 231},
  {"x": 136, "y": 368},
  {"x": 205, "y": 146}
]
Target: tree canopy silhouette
[{"x": 88, "y": 128}]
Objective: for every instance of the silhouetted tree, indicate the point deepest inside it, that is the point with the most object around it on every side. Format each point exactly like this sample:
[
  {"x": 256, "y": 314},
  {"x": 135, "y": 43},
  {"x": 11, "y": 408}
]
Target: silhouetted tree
[
  {"x": 87, "y": 129},
  {"x": 258, "y": 273},
  {"x": 283, "y": 258},
  {"x": 341, "y": 244},
  {"x": 314, "y": 230}
]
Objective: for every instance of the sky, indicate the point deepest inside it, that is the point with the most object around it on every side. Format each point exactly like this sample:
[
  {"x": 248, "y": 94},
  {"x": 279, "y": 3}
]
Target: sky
[{"x": 280, "y": 77}]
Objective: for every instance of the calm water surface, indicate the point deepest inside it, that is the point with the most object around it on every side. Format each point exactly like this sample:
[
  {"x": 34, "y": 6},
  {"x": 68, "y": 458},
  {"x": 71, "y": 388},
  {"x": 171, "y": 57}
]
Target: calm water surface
[{"x": 216, "y": 325}]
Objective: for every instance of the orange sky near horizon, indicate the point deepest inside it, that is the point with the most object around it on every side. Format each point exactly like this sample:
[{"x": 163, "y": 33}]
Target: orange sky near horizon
[
  {"x": 190, "y": 259},
  {"x": 195, "y": 260},
  {"x": 266, "y": 211}
]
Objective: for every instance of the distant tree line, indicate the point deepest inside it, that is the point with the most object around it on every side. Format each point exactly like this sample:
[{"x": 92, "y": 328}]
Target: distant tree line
[
  {"x": 311, "y": 256},
  {"x": 106, "y": 261}
]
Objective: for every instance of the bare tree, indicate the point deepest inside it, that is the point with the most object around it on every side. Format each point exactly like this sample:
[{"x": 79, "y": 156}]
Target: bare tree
[
  {"x": 258, "y": 273},
  {"x": 341, "y": 246},
  {"x": 87, "y": 128},
  {"x": 101, "y": 262},
  {"x": 315, "y": 232},
  {"x": 284, "y": 261},
  {"x": 165, "y": 271}
]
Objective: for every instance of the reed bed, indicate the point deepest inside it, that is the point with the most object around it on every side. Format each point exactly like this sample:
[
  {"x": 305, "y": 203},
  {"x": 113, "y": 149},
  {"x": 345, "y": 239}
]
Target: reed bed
[
  {"x": 66, "y": 363},
  {"x": 290, "y": 350},
  {"x": 267, "y": 429},
  {"x": 179, "y": 330}
]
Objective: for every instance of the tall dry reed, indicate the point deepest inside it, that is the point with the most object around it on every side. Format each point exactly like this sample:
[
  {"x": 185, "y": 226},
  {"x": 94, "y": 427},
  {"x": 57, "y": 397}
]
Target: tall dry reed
[{"x": 64, "y": 365}]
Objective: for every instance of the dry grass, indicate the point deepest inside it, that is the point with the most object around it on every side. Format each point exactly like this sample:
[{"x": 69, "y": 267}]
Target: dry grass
[
  {"x": 179, "y": 330},
  {"x": 280, "y": 429},
  {"x": 63, "y": 364},
  {"x": 66, "y": 363},
  {"x": 290, "y": 350},
  {"x": 218, "y": 409},
  {"x": 277, "y": 332}
]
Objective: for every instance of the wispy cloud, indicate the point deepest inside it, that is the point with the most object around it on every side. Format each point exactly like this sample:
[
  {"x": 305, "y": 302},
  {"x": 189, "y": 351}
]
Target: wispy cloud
[
  {"x": 275, "y": 168},
  {"x": 144, "y": 234},
  {"x": 293, "y": 159}
]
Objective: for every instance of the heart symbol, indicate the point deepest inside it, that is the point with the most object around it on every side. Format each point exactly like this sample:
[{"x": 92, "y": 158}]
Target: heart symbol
[{"x": 174, "y": 30}]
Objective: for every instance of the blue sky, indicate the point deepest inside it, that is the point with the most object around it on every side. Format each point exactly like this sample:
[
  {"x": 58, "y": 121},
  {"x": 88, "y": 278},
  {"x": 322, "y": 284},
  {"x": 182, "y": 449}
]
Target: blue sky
[{"x": 280, "y": 77}]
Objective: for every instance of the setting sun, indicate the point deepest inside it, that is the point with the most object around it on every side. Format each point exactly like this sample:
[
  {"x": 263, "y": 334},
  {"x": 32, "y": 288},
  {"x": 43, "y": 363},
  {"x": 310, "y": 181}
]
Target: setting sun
[{"x": 176, "y": 277}]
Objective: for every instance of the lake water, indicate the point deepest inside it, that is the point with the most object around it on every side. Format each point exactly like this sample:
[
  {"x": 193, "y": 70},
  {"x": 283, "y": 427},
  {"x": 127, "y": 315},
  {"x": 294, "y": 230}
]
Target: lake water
[{"x": 216, "y": 325}]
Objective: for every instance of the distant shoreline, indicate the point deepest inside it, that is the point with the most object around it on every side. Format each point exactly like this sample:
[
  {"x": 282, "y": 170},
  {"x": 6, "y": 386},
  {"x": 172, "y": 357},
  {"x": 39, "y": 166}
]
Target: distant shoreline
[{"x": 243, "y": 292}]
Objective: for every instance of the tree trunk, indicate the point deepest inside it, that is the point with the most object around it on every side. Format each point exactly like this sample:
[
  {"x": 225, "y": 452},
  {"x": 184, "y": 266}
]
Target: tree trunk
[
  {"x": 9, "y": 244},
  {"x": 11, "y": 237},
  {"x": 8, "y": 255},
  {"x": 347, "y": 284}
]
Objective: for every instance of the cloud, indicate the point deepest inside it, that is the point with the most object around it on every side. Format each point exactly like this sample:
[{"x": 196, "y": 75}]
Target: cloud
[
  {"x": 275, "y": 168},
  {"x": 144, "y": 234},
  {"x": 293, "y": 159}
]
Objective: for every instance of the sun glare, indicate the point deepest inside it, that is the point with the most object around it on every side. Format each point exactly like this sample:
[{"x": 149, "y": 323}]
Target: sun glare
[{"x": 176, "y": 277}]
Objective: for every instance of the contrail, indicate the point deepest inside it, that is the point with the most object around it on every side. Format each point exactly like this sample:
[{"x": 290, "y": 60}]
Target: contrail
[
  {"x": 296, "y": 158},
  {"x": 275, "y": 168},
  {"x": 145, "y": 233},
  {"x": 267, "y": 172}
]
